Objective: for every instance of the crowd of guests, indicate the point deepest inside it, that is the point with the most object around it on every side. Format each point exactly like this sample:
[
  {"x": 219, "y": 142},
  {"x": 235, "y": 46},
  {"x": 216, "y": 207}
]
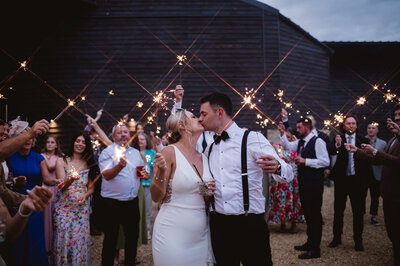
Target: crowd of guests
[{"x": 54, "y": 200}]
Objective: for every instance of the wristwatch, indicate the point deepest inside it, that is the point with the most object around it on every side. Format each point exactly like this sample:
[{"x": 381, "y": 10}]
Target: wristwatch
[
  {"x": 374, "y": 152},
  {"x": 278, "y": 170}
]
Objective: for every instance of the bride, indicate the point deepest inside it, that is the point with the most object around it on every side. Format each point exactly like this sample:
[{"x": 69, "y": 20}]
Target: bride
[{"x": 183, "y": 184}]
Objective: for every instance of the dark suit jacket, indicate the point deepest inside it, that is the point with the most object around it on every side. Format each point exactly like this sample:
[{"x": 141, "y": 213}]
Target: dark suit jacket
[
  {"x": 390, "y": 182},
  {"x": 363, "y": 169}
]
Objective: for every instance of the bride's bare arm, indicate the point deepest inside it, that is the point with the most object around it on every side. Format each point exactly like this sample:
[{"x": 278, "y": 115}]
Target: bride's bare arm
[{"x": 165, "y": 166}]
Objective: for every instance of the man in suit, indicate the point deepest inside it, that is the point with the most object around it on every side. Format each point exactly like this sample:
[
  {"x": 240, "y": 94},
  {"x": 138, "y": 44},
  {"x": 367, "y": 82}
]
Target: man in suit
[
  {"x": 237, "y": 161},
  {"x": 374, "y": 183},
  {"x": 350, "y": 176},
  {"x": 390, "y": 182},
  {"x": 312, "y": 158}
]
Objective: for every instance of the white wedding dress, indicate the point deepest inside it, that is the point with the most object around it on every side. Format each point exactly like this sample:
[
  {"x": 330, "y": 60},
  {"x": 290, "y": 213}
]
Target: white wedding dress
[{"x": 181, "y": 234}]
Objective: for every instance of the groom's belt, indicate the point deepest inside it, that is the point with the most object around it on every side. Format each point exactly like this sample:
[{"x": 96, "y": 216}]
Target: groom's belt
[{"x": 237, "y": 215}]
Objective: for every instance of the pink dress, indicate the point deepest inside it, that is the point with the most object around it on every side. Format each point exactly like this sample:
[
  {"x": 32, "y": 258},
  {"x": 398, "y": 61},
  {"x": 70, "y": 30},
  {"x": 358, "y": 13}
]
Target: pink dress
[{"x": 48, "y": 221}]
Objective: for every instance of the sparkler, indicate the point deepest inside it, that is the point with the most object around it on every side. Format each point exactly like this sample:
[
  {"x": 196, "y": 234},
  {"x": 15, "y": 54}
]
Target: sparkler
[
  {"x": 110, "y": 93},
  {"x": 2, "y": 97},
  {"x": 119, "y": 152},
  {"x": 23, "y": 65},
  {"x": 139, "y": 104},
  {"x": 389, "y": 96},
  {"x": 361, "y": 101},
  {"x": 70, "y": 103},
  {"x": 247, "y": 99},
  {"x": 181, "y": 59}
]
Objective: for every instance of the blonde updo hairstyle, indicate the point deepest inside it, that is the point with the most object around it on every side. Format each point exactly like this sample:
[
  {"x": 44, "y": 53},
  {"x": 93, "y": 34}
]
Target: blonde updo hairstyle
[{"x": 181, "y": 116}]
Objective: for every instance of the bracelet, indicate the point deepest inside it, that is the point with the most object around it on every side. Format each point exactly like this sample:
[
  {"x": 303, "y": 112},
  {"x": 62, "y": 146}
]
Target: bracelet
[{"x": 23, "y": 215}]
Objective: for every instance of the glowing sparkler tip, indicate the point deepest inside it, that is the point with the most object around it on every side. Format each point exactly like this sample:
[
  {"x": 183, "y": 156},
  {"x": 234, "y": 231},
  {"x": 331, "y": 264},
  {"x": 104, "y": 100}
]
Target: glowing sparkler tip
[
  {"x": 23, "y": 64},
  {"x": 139, "y": 104},
  {"x": 83, "y": 98},
  {"x": 71, "y": 102},
  {"x": 361, "y": 101},
  {"x": 2, "y": 97},
  {"x": 375, "y": 87},
  {"x": 181, "y": 59},
  {"x": 288, "y": 105},
  {"x": 111, "y": 92},
  {"x": 51, "y": 121}
]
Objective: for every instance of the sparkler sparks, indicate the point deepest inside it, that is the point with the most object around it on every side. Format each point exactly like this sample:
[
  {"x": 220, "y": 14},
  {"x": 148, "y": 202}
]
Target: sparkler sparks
[
  {"x": 181, "y": 59},
  {"x": 375, "y": 87},
  {"x": 83, "y": 98},
  {"x": 361, "y": 101},
  {"x": 139, "y": 104},
  {"x": 111, "y": 92},
  {"x": 161, "y": 99},
  {"x": 375, "y": 124},
  {"x": 248, "y": 98},
  {"x": 23, "y": 65},
  {"x": 288, "y": 105},
  {"x": 327, "y": 123},
  {"x": 119, "y": 152},
  {"x": 338, "y": 118},
  {"x": 2, "y": 97},
  {"x": 389, "y": 97},
  {"x": 71, "y": 102},
  {"x": 74, "y": 174}
]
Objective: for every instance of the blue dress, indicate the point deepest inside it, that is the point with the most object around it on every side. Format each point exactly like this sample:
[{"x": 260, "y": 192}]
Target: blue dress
[{"x": 30, "y": 248}]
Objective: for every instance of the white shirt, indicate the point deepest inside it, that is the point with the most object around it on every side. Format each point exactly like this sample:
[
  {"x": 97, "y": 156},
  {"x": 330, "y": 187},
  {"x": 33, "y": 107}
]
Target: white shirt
[
  {"x": 226, "y": 167},
  {"x": 6, "y": 170},
  {"x": 314, "y": 131},
  {"x": 125, "y": 185},
  {"x": 321, "y": 152},
  {"x": 350, "y": 168}
]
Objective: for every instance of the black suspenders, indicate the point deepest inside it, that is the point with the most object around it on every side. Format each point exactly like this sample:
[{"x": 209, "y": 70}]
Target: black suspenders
[{"x": 245, "y": 182}]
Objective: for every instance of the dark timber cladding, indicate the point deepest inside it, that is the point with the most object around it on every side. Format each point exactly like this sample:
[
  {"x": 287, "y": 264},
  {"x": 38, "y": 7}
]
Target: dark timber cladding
[
  {"x": 103, "y": 45},
  {"x": 355, "y": 68}
]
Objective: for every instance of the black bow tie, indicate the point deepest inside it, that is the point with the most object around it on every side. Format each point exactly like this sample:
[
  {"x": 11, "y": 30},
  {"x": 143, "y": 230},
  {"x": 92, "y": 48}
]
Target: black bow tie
[{"x": 224, "y": 136}]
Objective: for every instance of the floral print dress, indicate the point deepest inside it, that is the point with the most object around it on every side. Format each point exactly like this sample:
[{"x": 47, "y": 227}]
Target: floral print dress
[
  {"x": 71, "y": 244},
  {"x": 284, "y": 200}
]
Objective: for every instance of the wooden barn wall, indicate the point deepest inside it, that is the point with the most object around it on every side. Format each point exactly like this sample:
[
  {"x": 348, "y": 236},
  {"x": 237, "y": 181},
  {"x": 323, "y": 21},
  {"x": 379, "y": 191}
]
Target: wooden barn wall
[
  {"x": 304, "y": 74},
  {"x": 355, "y": 68},
  {"x": 120, "y": 44}
]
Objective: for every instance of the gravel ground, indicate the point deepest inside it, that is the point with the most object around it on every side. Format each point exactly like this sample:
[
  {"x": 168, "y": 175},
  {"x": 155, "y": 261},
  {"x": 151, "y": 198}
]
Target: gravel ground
[{"x": 377, "y": 246}]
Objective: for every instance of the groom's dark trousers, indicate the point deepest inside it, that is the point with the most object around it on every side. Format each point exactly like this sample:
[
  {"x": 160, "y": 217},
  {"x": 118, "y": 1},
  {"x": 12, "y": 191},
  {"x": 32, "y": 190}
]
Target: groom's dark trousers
[{"x": 240, "y": 238}]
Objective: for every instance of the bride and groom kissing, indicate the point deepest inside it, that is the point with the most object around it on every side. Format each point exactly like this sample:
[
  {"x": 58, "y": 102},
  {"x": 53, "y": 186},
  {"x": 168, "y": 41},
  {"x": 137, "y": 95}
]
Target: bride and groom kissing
[{"x": 232, "y": 230}]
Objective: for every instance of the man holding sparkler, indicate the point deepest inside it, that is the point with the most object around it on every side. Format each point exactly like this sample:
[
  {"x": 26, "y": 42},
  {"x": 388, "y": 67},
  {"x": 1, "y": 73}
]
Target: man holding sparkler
[
  {"x": 119, "y": 188},
  {"x": 237, "y": 160}
]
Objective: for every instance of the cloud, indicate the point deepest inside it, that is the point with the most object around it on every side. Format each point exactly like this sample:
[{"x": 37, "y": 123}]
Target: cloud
[{"x": 344, "y": 20}]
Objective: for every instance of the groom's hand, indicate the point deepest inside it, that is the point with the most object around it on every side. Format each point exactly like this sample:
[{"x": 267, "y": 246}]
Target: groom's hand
[{"x": 268, "y": 163}]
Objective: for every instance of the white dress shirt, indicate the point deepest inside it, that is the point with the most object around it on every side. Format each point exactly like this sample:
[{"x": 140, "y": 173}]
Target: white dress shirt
[
  {"x": 125, "y": 185},
  {"x": 226, "y": 167},
  {"x": 350, "y": 168},
  {"x": 321, "y": 152}
]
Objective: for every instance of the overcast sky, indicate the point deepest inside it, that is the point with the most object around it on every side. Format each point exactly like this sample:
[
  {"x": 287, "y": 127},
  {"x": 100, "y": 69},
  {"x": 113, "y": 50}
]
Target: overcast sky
[{"x": 344, "y": 20}]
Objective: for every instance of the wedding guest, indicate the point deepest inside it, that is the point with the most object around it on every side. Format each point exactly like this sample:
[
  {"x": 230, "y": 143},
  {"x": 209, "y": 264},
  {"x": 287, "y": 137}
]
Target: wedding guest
[
  {"x": 389, "y": 158},
  {"x": 72, "y": 242},
  {"x": 11, "y": 199},
  {"x": 374, "y": 183},
  {"x": 51, "y": 152},
  {"x": 31, "y": 169},
  {"x": 147, "y": 153},
  {"x": 181, "y": 233},
  {"x": 238, "y": 230},
  {"x": 312, "y": 157},
  {"x": 350, "y": 176},
  {"x": 119, "y": 190},
  {"x": 284, "y": 200}
]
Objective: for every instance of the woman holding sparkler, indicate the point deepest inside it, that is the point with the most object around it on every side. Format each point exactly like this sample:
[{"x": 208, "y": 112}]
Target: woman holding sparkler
[
  {"x": 147, "y": 153},
  {"x": 72, "y": 242},
  {"x": 51, "y": 152},
  {"x": 30, "y": 170},
  {"x": 182, "y": 181}
]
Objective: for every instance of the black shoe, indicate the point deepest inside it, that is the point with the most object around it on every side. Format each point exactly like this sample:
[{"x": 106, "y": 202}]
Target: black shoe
[
  {"x": 335, "y": 242},
  {"x": 310, "y": 255},
  {"x": 303, "y": 247},
  {"x": 375, "y": 221},
  {"x": 358, "y": 246}
]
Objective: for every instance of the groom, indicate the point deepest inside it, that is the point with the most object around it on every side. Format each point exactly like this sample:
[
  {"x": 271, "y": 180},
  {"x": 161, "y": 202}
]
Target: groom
[{"x": 239, "y": 232}]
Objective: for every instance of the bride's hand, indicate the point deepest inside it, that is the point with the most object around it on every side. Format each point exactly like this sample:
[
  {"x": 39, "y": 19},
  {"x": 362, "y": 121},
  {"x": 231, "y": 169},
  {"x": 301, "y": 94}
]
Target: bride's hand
[
  {"x": 160, "y": 162},
  {"x": 211, "y": 185}
]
